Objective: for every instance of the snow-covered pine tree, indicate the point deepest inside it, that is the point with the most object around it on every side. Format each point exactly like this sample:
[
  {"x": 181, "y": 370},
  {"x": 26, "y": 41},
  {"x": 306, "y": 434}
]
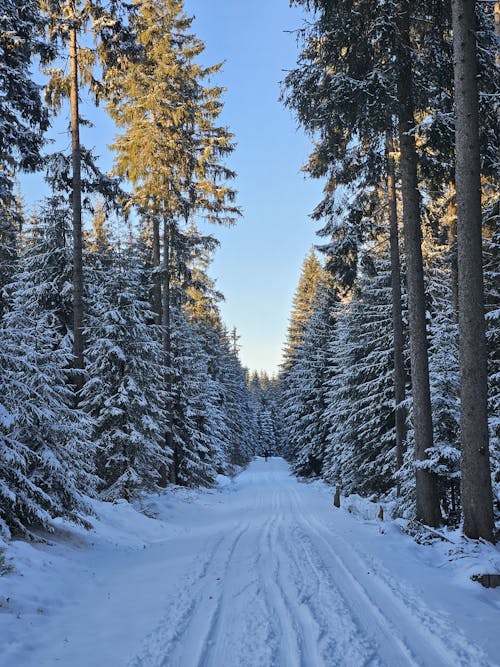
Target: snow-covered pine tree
[
  {"x": 337, "y": 449},
  {"x": 124, "y": 392},
  {"x": 46, "y": 459},
  {"x": 23, "y": 118},
  {"x": 444, "y": 457},
  {"x": 361, "y": 399},
  {"x": 311, "y": 370},
  {"x": 11, "y": 222},
  {"x": 311, "y": 276},
  {"x": 492, "y": 304},
  {"x": 290, "y": 381},
  {"x": 239, "y": 415},
  {"x": 199, "y": 428},
  {"x": 68, "y": 24}
]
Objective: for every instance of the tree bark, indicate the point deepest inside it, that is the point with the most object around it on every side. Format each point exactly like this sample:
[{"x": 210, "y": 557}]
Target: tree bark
[
  {"x": 477, "y": 498},
  {"x": 497, "y": 30},
  {"x": 157, "y": 305},
  {"x": 397, "y": 307},
  {"x": 452, "y": 241},
  {"x": 78, "y": 342},
  {"x": 427, "y": 500},
  {"x": 167, "y": 349}
]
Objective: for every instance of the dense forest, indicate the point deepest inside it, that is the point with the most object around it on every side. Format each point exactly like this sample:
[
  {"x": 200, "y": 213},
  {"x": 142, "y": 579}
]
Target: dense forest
[
  {"x": 390, "y": 381},
  {"x": 117, "y": 373}
]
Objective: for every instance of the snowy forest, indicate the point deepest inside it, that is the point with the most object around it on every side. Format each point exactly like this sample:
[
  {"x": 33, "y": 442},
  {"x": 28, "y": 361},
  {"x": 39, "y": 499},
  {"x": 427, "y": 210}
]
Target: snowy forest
[
  {"x": 118, "y": 375},
  {"x": 161, "y": 504},
  {"x": 390, "y": 382}
]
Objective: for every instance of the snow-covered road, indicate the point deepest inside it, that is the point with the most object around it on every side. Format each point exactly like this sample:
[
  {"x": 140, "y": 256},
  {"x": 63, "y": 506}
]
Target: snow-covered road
[{"x": 263, "y": 572}]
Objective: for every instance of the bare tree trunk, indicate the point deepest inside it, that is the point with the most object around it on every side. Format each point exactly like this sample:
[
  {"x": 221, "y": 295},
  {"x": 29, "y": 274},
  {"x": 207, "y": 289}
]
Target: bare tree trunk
[
  {"x": 397, "y": 307},
  {"x": 452, "y": 241},
  {"x": 427, "y": 505},
  {"x": 78, "y": 344},
  {"x": 497, "y": 30},
  {"x": 157, "y": 306},
  {"x": 167, "y": 349},
  {"x": 477, "y": 498}
]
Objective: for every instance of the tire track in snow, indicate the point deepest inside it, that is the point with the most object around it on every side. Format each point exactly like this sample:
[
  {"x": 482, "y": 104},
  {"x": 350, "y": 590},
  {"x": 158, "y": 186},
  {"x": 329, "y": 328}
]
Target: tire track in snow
[
  {"x": 413, "y": 628},
  {"x": 339, "y": 638},
  {"x": 304, "y": 625},
  {"x": 236, "y": 627},
  {"x": 169, "y": 635}
]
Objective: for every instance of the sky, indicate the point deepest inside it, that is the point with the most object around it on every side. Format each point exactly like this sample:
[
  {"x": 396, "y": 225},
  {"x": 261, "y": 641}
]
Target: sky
[{"x": 257, "y": 265}]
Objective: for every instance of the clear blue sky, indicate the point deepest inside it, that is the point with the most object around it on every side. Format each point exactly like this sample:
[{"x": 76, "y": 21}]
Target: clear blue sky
[{"x": 258, "y": 263}]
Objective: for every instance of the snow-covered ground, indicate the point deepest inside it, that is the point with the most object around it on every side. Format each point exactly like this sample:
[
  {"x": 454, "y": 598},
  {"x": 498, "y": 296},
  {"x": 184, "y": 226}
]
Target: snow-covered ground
[{"x": 262, "y": 571}]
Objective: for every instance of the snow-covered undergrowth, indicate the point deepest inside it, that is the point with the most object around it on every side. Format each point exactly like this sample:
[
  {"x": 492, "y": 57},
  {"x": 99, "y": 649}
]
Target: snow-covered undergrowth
[{"x": 261, "y": 571}]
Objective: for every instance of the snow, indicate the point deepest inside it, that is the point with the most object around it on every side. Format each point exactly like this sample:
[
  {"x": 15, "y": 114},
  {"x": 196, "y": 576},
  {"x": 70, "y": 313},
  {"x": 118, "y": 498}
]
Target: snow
[{"x": 261, "y": 571}]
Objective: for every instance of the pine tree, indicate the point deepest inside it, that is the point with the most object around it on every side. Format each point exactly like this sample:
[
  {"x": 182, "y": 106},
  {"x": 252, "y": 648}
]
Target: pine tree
[
  {"x": 363, "y": 59},
  {"x": 11, "y": 222},
  {"x": 198, "y": 426},
  {"x": 124, "y": 392},
  {"x": 444, "y": 457},
  {"x": 360, "y": 403},
  {"x": 171, "y": 148},
  {"x": 311, "y": 276},
  {"x": 23, "y": 118},
  {"x": 475, "y": 479},
  {"x": 44, "y": 469},
  {"x": 492, "y": 304},
  {"x": 67, "y": 24},
  {"x": 310, "y": 370}
]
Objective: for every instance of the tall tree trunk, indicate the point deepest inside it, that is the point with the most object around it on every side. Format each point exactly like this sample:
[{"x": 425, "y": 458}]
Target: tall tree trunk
[
  {"x": 497, "y": 30},
  {"x": 157, "y": 305},
  {"x": 477, "y": 498},
  {"x": 397, "y": 306},
  {"x": 78, "y": 344},
  {"x": 452, "y": 242},
  {"x": 427, "y": 500},
  {"x": 167, "y": 349}
]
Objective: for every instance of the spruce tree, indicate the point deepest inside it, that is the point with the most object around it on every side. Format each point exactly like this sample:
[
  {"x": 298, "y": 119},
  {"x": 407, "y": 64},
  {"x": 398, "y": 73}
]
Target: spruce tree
[
  {"x": 46, "y": 445},
  {"x": 23, "y": 118},
  {"x": 311, "y": 276},
  {"x": 171, "y": 147},
  {"x": 124, "y": 392},
  {"x": 475, "y": 480},
  {"x": 68, "y": 23}
]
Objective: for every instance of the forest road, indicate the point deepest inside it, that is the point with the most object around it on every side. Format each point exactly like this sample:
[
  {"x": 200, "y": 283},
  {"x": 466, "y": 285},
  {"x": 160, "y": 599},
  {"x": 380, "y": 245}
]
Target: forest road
[
  {"x": 286, "y": 580},
  {"x": 261, "y": 572}
]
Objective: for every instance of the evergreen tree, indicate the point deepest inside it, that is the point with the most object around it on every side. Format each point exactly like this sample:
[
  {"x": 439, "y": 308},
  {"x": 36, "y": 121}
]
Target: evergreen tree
[
  {"x": 444, "y": 457},
  {"x": 67, "y": 23},
  {"x": 198, "y": 426},
  {"x": 311, "y": 276},
  {"x": 46, "y": 446},
  {"x": 124, "y": 392},
  {"x": 360, "y": 412},
  {"x": 475, "y": 478},
  {"x": 311, "y": 369},
  {"x": 23, "y": 118},
  {"x": 171, "y": 148}
]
